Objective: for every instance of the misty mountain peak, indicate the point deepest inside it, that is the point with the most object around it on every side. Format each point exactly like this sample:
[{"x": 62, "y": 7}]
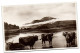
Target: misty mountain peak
[{"x": 43, "y": 19}]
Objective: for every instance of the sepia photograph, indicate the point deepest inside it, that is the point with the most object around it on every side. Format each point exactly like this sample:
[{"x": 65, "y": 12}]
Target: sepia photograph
[{"x": 39, "y": 26}]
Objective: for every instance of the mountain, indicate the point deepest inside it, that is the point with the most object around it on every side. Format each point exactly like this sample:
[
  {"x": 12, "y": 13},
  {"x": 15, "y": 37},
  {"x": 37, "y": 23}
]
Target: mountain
[
  {"x": 58, "y": 24},
  {"x": 43, "y": 19},
  {"x": 53, "y": 27}
]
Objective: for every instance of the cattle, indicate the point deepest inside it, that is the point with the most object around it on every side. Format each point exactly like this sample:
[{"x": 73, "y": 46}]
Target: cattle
[
  {"x": 36, "y": 37},
  {"x": 47, "y": 37},
  {"x": 73, "y": 38},
  {"x": 70, "y": 38},
  {"x": 14, "y": 46},
  {"x": 28, "y": 41},
  {"x": 43, "y": 37}
]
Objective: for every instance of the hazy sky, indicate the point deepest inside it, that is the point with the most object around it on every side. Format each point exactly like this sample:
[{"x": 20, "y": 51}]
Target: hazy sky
[{"x": 21, "y": 14}]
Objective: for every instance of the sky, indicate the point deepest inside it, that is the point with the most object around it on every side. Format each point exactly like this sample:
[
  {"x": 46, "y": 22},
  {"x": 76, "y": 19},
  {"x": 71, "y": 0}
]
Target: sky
[{"x": 21, "y": 14}]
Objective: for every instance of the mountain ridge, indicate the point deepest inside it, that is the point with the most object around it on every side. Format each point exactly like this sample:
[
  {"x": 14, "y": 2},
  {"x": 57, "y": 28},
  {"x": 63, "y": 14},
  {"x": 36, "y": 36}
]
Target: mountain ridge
[{"x": 41, "y": 20}]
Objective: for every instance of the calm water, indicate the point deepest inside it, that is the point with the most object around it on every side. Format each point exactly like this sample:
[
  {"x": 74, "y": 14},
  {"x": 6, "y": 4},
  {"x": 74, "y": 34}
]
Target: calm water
[{"x": 57, "y": 41}]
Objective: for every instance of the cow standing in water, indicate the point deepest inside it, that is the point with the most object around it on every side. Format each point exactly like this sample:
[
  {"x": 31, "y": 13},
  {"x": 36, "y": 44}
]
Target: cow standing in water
[
  {"x": 28, "y": 41},
  {"x": 70, "y": 38},
  {"x": 43, "y": 37},
  {"x": 73, "y": 34},
  {"x": 49, "y": 37}
]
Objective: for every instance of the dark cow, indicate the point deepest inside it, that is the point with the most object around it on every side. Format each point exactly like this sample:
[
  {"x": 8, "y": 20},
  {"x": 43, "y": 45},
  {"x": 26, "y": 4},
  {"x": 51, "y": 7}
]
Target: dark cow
[
  {"x": 43, "y": 37},
  {"x": 70, "y": 37},
  {"x": 14, "y": 46},
  {"x": 36, "y": 37},
  {"x": 28, "y": 41},
  {"x": 73, "y": 34},
  {"x": 47, "y": 37}
]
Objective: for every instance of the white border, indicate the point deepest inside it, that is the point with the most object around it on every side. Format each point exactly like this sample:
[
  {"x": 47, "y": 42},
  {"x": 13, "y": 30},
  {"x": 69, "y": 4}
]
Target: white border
[{"x": 21, "y": 2}]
